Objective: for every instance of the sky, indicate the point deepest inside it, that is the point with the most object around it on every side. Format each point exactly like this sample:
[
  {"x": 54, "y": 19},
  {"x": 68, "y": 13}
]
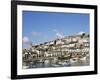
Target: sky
[{"x": 40, "y": 27}]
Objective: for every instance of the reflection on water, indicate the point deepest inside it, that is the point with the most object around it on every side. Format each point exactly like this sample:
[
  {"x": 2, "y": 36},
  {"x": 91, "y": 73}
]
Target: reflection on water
[{"x": 59, "y": 63}]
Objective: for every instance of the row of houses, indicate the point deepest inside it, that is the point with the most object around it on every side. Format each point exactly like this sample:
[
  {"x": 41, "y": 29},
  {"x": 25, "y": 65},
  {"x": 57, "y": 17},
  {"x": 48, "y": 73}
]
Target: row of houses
[{"x": 67, "y": 46}]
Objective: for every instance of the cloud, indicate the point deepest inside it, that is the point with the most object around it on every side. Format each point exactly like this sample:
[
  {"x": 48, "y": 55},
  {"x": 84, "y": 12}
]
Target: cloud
[
  {"x": 25, "y": 39},
  {"x": 55, "y": 30},
  {"x": 59, "y": 35},
  {"x": 81, "y": 32},
  {"x": 36, "y": 34}
]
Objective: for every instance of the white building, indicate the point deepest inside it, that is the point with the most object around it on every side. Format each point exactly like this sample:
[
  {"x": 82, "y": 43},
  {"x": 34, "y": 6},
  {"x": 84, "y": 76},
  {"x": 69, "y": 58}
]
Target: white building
[{"x": 59, "y": 42}]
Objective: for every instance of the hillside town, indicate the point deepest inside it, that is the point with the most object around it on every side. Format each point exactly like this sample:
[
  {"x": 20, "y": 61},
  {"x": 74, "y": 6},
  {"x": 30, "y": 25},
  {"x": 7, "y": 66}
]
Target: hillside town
[{"x": 72, "y": 50}]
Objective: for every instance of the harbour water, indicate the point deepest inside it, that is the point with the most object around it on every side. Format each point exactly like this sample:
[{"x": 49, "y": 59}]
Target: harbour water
[{"x": 63, "y": 63}]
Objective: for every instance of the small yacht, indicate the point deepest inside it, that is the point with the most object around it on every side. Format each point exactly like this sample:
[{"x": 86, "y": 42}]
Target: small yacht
[
  {"x": 83, "y": 58},
  {"x": 73, "y": 60}
]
